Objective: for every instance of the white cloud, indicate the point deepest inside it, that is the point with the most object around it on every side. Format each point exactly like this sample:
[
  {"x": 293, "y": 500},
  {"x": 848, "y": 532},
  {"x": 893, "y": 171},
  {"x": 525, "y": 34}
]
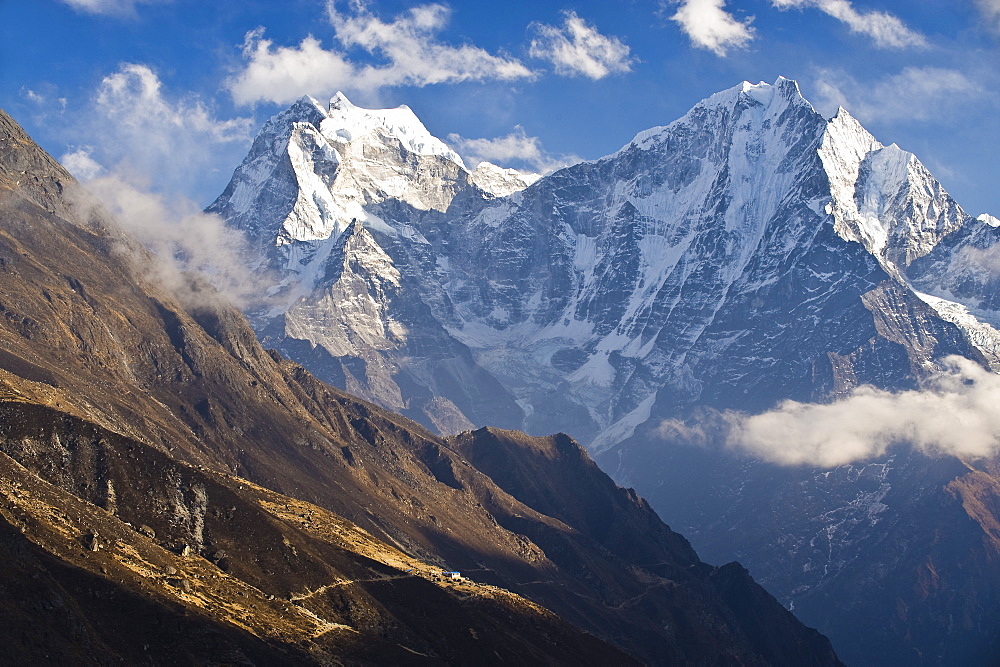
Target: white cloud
[
  {"x": 108, "y": 7},
  {"x": 189, "y": 246},
  {"x": 141, "y": 139},
  {"x": 516, "y": 148},
  {"x": 408, "y": 47},
  {"x": 710, "y": 26},
  {"x": 47, "y": 101},
  {"x": 916, "y": 93},
  {"x": 414, "y": 57},
  {"x": 886, "y": 30},
  {"x": 171, "y": 143},
  {"x": 133, "y": 96},
  {"x": 579, "y": 49},
  {"x": 957, "y": 413},
  {"x": 135, "y": 138},
  {"x": 32, "y": 96},
  {"x": 80, "y": 163},
  {"x": 990, "y": 10},
  {"x": 282, "y": 74}
]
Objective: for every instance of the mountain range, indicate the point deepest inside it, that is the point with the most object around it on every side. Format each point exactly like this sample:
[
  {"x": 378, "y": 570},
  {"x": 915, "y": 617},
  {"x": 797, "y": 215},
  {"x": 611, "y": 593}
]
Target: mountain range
[
  {"x": 749, "y": 253},
  {"x": 172, "y": 492}
]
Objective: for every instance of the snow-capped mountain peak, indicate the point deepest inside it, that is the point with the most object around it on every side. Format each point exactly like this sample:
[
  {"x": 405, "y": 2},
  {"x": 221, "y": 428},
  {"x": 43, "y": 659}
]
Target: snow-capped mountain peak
[
  {"x": 308, "y": 102},
  {"x": 726, "y": 105},
  {"x": 346, "y": 122},
  {"x": 499, "y": 181},
  {"x": 617, "y": 284},
  {"x": 882, "y": 196},
  {"x": 323, "y": 167},
  {"x": 765, "y": 93}
]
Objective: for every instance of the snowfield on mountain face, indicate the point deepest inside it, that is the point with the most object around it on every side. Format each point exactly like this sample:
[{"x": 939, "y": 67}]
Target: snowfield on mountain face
[
  {"x": 745, "y": 254},
  {"x": 346, "y": 122},
  {"x": 643, "y": 279}
]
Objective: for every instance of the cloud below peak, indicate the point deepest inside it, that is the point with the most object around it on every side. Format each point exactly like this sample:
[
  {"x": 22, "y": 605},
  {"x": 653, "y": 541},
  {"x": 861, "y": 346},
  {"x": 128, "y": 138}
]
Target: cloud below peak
[
  {"x": 955, "y": 414},
  {"x": 143, "y": 145}
]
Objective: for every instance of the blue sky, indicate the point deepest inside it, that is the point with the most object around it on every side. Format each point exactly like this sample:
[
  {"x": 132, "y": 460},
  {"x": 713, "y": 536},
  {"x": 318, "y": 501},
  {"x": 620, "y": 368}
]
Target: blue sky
[{"x": 169, "y": 93}]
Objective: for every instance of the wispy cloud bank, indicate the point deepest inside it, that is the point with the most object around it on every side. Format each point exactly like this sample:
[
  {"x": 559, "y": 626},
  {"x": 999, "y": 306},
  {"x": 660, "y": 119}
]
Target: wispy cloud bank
[
  {"x": 515, "y": 149},
  {"x": 957, "y": 413},
  {"x": 45, "y": 98},
  {"x": 578, "y": 49},
  {"x": 143, "y": 144},
  {"x": 109, "y": 7},
  {"x": 886, "y": 30},
  {"x": 710, "y": 26},
  {"x": 916, "y": 93},
  {"x": 990, "y": 11},
  {"x": 188, "y": 246},
  {"x": 170, "y": 143},
  {"x": 408, "y": 46}
]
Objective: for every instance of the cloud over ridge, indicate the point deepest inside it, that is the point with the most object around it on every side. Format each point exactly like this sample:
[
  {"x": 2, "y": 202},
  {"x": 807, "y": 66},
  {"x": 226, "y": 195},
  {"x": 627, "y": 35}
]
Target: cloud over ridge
[
  {"x": 956, "y": 413},
  {"x": 511, "y": 148}
]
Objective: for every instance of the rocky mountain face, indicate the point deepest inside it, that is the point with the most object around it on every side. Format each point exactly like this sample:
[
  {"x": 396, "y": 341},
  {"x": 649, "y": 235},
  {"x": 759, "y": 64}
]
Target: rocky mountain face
[
  {"x": 750, "y": 252},
  {"x": 667, "y": 273},
  {"x": 338, "y": 302},
  {"x": 172, "y": 492},
  {"x": 894, "y": 558}
]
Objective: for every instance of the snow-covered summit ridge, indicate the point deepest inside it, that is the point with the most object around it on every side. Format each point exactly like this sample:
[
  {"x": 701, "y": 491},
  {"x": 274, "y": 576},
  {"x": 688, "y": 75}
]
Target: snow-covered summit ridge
[
  {"x": 882, "y": 196},
  {"x": 346, "y": 122},
  {"x": 772, "y": 98},
  {"x": 312, "y": 169},
  {"x": 879, "y": 196},
  {"x": 500, "y": 181}
]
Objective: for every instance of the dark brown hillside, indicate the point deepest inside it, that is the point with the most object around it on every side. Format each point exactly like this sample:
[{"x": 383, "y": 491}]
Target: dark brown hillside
[
  {"x": 292, "y": 510},
  {"x": 111, "y": 534},
  {"x": 556, "y": 476}
]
